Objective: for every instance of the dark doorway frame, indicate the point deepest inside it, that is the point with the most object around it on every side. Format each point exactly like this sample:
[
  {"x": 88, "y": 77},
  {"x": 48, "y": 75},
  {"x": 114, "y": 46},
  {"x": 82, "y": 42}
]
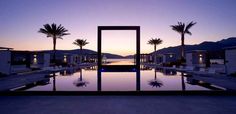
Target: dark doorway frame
[{"x": 137, "y": 55}]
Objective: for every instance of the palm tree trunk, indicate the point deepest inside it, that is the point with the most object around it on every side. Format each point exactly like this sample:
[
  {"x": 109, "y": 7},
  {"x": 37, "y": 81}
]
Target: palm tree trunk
[
  {"x": 54, "y": 51},
  {"x": 182, "y": 47},
  {"x": 155, "y": 57},
  {"x": 81, "y": 50},
  {"x": 54, "y": 63}
]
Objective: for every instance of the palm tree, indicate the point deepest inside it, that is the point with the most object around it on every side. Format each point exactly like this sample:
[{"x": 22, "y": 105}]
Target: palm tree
[
  {"x": 56, "y": 32},
  {"x": 155, "y": 42},
  {"x": 80, "y": 43},
  {"x": 182, "y": 30}
]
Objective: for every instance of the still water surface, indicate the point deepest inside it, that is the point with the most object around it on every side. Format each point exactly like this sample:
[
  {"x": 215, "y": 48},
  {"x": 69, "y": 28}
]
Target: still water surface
[
  {"x": 150, "y": 80},
  {"x": 122, "y": 81}
]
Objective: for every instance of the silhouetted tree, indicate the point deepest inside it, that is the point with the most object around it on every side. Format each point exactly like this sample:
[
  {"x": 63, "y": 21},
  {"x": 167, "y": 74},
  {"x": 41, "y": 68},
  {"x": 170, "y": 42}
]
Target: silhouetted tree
[
  {"x": 155, "y": 42},
  {"x": 182, "y": 30},
  {"x": 55, "y": 32},
  {"x": 80, "y": 43}
]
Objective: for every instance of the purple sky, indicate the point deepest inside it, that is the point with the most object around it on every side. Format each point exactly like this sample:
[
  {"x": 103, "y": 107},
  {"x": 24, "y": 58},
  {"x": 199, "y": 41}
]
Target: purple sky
[{"x": 21, "y": 19}]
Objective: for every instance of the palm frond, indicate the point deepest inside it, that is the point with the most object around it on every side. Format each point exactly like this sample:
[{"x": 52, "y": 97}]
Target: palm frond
[
  {"x": 182, "y": 29},
  {"x": 178, "y": 28},
  {"x": 53, "y": 30},
  {"x": 155, "y": 41},
  {"x": 188, "y": 27},
  {"x": 80, "y": 42}
]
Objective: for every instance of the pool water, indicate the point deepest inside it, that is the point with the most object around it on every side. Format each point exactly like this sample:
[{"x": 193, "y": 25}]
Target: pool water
[
  {"x": 120, "y": 62},
  {"x": 150, "y": 80}
]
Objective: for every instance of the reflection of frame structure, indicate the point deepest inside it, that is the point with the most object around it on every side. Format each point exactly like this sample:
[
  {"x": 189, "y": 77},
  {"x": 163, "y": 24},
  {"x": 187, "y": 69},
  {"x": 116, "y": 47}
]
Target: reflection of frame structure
[{"x": 135, "y": 67}]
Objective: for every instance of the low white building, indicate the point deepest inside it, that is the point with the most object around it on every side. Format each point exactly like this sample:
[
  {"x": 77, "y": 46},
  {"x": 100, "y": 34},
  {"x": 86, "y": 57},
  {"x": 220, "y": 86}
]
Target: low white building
[
  {"x": 39, "y": 59},
  {"x": 196, "y": 58},
  {"x": 169, "y": 57},
  {"x": 5, "y": 60},
  {"x": 22, "y": 61},
  {"x": 230, "y": 60},
  {"x": 166, "y": 58}
]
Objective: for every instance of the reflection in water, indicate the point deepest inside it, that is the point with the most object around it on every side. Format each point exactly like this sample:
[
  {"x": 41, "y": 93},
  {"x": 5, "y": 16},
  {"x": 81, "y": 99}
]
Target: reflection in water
[
  {"x": 155, "y": 82},
  {"x": 182, "y": 81},
  {"x": 143, "y": 67},
  {"x": 80, "y": 82},
  {"x": 119, "y": 62},
  {"x": 93, "y": 68},
  {"x": 169, "y": 72},
  {"x": 54, "y": 81},
  {"x": 113, "y": 81},
  {"x": 67, "y": 72},
  {"x": 116, "y": 81}
]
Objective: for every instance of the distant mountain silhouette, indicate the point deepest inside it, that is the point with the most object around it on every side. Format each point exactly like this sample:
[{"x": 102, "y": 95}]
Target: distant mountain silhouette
[
  {"x": 216, "y": 49},
  {"x": 129, "y": 56},
  {"x": 85, "y": 51},
  {"x": 209, "y": 46}
]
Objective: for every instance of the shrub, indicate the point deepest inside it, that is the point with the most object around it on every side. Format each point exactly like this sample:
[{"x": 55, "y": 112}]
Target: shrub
[
  {"x": 2, "y": 74},
  {"x": 233, "y": 74}
]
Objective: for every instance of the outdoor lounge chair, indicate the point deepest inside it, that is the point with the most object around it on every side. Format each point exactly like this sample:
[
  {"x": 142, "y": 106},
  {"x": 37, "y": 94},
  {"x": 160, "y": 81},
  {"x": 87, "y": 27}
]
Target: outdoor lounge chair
[
  {"x": 186, "y": 69},
  {"x": 205, "y": 72},
  {"x": 211, "y": 71}
]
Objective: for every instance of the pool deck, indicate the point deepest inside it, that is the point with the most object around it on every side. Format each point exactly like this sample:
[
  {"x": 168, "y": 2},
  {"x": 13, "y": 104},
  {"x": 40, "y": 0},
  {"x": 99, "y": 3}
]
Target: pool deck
[
  {"x": 118, "y": 104},
  {"x": 18, "y": 80},
  {"x": 221, "y": 80},
  {"x": 15, "y": 81}
]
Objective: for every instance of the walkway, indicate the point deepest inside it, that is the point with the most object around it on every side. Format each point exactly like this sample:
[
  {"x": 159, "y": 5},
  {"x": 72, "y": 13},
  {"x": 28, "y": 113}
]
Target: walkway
[
  {"x": 15, "y": 81},
  {"x": 117, "y": 104},
  {"x": 219, "y": 80}
]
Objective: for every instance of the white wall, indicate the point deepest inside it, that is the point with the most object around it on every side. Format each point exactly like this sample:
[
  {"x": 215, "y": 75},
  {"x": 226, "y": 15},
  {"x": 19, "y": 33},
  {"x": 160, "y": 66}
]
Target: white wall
[
  {"x": 46, "y": 61},
  {"x": 189, "y": 59},
  {"x": 5, "y": 61},
  {"x": 230, "y": 58},
  {"x": 164, "y": 58}
]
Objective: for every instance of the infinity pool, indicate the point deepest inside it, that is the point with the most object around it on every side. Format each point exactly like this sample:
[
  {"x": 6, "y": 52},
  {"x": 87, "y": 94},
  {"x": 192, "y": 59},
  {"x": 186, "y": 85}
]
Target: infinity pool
[{"x": 150, "y": 80}]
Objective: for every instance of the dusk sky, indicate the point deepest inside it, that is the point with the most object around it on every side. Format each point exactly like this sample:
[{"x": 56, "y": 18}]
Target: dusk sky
[{"x": 20, "y": 21}]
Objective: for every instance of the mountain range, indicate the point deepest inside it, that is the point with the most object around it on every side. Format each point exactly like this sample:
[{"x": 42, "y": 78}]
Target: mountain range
[
  {"x": 84, "y": 51},
  {"x": 216, "y": 48}
]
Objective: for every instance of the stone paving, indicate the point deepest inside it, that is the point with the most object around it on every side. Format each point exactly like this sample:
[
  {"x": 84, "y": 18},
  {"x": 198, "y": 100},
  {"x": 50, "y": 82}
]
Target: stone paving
[{"x": 117, "y": 104}]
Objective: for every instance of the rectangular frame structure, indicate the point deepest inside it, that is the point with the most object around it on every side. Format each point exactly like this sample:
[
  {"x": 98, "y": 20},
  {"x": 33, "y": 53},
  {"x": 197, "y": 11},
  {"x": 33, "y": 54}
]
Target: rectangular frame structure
[
  {"x": 137, "y": 56},
  {"x": 99, "y": 54}
]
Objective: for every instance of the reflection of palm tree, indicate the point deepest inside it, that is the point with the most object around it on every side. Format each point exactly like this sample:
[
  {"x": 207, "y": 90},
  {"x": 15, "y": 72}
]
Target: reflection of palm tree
[
  {"x": 54, "y": 82},
  {"x": 155, "y": 42},
  {"x": 155, "y": 82},
  {"x": 80, "y": 43},
  {"x": 182, "y": 81},
  {"x": 180, "y": 28},
  {"x": 56, "y": 32},
  {"x": 80, "y": 82}
]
